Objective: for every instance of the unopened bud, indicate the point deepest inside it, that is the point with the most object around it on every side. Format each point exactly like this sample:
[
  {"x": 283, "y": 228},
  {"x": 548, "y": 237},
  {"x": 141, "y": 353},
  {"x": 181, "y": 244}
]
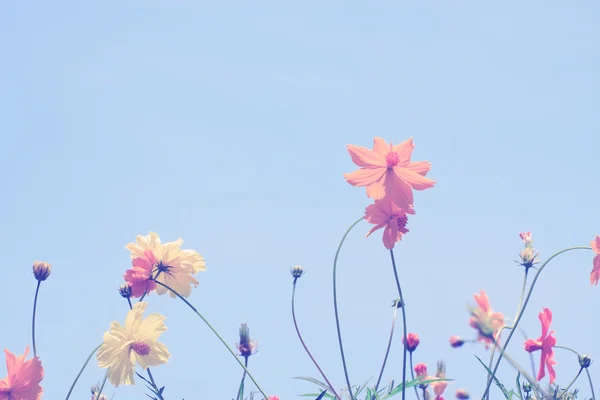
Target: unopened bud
[
  {"x": 462, "y": 394},
  {"x": 585, "y": 361},
  {"x": 41, "y": 270},
  {"x": 246, "y": 346},
  {"x": 411, "y": 342},
  {"x": 125, "y": 290},
  {"x": 297, "y": 271},
  {"x": 456, "y": 341},
  {"x": 526, "y": 387}
]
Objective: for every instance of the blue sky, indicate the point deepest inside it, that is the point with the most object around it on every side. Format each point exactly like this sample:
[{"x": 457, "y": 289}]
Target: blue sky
[{"x": 226, "y": 123}]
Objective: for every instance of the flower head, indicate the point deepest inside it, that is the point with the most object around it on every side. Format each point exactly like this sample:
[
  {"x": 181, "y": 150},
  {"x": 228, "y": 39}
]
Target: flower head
[
  {"x": 462, "y": 394},
  {"x": 411, "y": 342},
  {"x": 421, "y": 371},
  {"x": 456, "y": 341},
  {"x": 125, "y": 290},
  {"x": 544, "y": 343},
  {"x": 387, "y": 170},
  {"x": 296, "y": 271},
  {"x": 485, "y": 320},
  {"x": 24, "y": 377},
  {"x": 136, "y": 342},
  {"x": 246, "y": 346},
  {"x": 440, "y": 386},
  {"x": 41, "y": 270},
  {"x": 528, "y": 254},
  {"x": 386, "y": 214},
  {"x": 139, "y": 276},
  {"x": 168, "y": 264},
  {"x": 526, "y": 238},
  {"x": 595, "y": 274}
]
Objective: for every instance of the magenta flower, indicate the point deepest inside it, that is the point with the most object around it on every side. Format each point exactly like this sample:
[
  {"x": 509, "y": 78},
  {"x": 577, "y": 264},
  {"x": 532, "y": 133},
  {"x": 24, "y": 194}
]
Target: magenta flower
[
  {"x": 386, "y": 214},
  {"x": 138, "y": 277},
  {"x": 411, "y": 342},
  {"x": 387, "y": 170},
  {"x": 545, "y": 344},
  {"x": 24, "y": 377},
  {"x": 595, "y": 274},
  {"x": 456, "y": 341}
]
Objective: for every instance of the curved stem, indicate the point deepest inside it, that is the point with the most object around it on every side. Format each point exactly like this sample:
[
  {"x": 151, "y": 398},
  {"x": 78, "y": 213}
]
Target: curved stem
[
  {"x": 520, "y": 314},
  {"x": 335, "y": 306},
  {"x": 586, "y": 370},
  {"x": 404, "y": 358},
  {"x": 516, "y": 366},
  {"x": 216, "y": 334},
  {"x": 33, "y": 318},
  {"x": 387, "y": 351},
  {"x": 154, "y": 384},
  {"x": 531, "y": 360},
  {"x": 97, "y": 397},
  {"x": 81, "y": 370},
  {"x": 304, "y": 344},
  {"x": 412, "y": 375},
  {"x": 573, "y": 381}
]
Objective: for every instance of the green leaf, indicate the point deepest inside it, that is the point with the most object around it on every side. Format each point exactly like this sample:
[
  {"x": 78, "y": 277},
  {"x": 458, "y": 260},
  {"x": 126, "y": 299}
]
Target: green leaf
[
  {"x": 519, "y": 385},
  {"x": 496, "y": 381},
  {"x": 315, "y": 381}
]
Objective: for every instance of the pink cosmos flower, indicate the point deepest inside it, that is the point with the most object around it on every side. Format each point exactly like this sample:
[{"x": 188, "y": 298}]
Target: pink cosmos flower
[
  {"x": 386, "y": 214},
  {"x": 411, "y": 342},
  {"x": 387, "y": 170},
  {"x": 545, "y": 344},
  {"x": 595, "y": 274},
  {"x": 525, "y": 237},
  {"x": 485, "y": 320},
  {"x": 273, "y": 397},
  {"x": 462, "y": 394},
  {"x": 138, "y": 277},
  {"x": 456, "y": 341},
  {"x": 24, "y": 377}
]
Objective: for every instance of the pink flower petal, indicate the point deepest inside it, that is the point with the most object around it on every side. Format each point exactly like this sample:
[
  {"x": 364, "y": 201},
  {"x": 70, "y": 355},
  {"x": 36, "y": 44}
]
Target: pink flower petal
[
  {"x": 595, "y": 274},
  {"x": 364, "y": 157},
  {"x": 404, "y": 151}
]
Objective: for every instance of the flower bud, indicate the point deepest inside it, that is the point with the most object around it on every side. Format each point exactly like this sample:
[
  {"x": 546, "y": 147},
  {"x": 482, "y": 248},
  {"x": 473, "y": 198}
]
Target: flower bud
[
  {"x": 297, "y": 271},
  {"x": 585, "y": 361},
  {"x": 41, "y": 270},
  {"x": 462, "y": 394},
  {"x": 411, "y": 342},
  {"x": 456, "y": 341},
  {"x": 246, "y": 346},
  {"x": 125, "y": 290}
]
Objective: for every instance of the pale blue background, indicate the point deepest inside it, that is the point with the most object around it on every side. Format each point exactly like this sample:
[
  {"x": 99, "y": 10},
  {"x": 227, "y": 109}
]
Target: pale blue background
[{"x": 225, "y": 124}]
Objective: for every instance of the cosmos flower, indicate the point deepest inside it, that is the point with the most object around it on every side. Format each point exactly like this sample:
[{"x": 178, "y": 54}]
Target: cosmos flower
[
  {"x": 139, "y": 277},
  {"x": 544, "y": 343},
  {"x": 411, "y": 342},
  {"x": 456, "y": 341},
  {"x": 387, "y": 170},
  {"x": 485, "y": 320},
  {"x": 595, "y": 274},
  {"x": 136, "y": 342},
  {"x": 386, "y": 214},
  {"x": 24, "y": 377},
  {"x": 41, "y": 270},
  {"x": 175, "y": 267}
]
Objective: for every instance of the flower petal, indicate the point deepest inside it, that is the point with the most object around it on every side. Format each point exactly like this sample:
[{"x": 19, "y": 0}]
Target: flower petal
[{"x": 364, "y": 157}]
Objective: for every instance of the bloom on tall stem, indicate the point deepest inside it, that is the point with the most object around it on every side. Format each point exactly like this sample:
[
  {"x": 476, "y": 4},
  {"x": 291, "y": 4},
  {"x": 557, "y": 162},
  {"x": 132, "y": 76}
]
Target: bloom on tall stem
[
  {"x": 595, "y": 274},
  {"x": 24, "y": 377},
  {"x": 246, "y": 346},
  {"x": 386, "y": 214},
  {"x": 485, "y": 320},
  {"x": 544, "y": 343},
  {"x": 411, "y": 342},
  {"x": 41, "y": 270},
  {"x": 528, "y": 254},
  {"x": 387, "y": 170},
  {"x": 136, "y": 342}
]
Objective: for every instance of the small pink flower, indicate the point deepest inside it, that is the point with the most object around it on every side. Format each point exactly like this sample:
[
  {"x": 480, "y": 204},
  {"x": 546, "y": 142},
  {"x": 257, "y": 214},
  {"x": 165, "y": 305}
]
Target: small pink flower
[
  {"x": 525, "y": 237},
  {"x": 421, "y": 370},
  {"x": 387, "y": 170},
  {"x": 456, "y": 341},
  {"x": 386, "y": 214},
  {"x": 595, "y": 274},
  {"x": 138, "y": 277},
  {"x": 485, "y": 320},
  {"x": 462, "y": 394},
  {"x": 411, "y": 342},
  {"x": 24, "y": 377},
  {"x": 544, "y": 343},
  {"x": 273, "y": 397}
]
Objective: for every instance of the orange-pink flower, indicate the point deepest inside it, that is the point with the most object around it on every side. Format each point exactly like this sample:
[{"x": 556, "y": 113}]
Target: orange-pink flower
[
  {"x": 595, "y": 274},
  {"x": 387, "y": 170},
  {"x": 386, "y": 214},
  {"x": 485, "y": 320},
  {"x": 545, "y": 344},
  {"x": 24, "y": 377},
  {"x": 411, "y": 342},
  {"x": 138, "y": 276}
]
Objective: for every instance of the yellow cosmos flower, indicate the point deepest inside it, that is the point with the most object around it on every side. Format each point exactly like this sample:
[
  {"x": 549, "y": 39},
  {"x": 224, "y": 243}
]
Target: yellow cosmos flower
[
  {"x": 176, "y": 266},
  {"x": 136, "y": 342}
]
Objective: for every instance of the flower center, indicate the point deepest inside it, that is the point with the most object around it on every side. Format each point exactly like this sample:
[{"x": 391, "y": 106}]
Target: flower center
[
  {"x": 162, "y": 267},
  {"x": 391, "y": 159},
  {"x": 402, "y": 220},
  {"x": 141, "y": 348}
]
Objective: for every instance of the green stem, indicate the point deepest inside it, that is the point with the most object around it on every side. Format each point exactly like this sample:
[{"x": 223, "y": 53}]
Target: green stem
[
  {"x": 240, "y": 395},
  {"x": 154, "y": 384},
  {"x": 586, "y": 370},
  {"x": 524, "y": 373},
  {"x": 304, "y": 344},
  {"x": 101, "y": 386},
  {"x": 216, "y": 334},
  {"x": 81, "y": 370},
  {"x": 335, "y": 307},
  {"x": 404, "y": 329},
  {"x": 573, "y": 381},
  {"x": 33, "y": 318},
  {"x": 387, "y": 351},
  {"x": 520, "y": 314},
  {"x": 412, "y": 375}
]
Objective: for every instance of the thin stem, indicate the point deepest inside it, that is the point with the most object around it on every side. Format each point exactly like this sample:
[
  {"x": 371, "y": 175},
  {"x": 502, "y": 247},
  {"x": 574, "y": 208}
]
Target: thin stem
[
  {"x": 387, "y": 351},
  {"x": 146, "y": 291},
  {"x": 304, "y": 344},
  {"x": 216, "y": 334},
  {"x": 531, "y": 360},
  {"x": 101, "y": 386},
  {"x": 573, "y": 381},
  {"x": 500, "y": 331},
  {"x": 404, "y": 358},
  {"x": 520, "y": 314},
  {"x": 335, "y": 306},
  {"x": 154, "y": 384},
  {"x": 81, "y": 370},
  {"x": 412, "y": 375},
  {"x": 515, "y": 365},
  {"x": 129, "y": 302},
  {"x": 240, "y": 395},
  {"x": 586, "y": 370},
  {"x": 37, "y": 289}
]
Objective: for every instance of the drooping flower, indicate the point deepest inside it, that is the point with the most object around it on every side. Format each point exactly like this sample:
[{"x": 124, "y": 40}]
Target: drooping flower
[
  {"x": 387, "y": 170},
  {"x": 41, "y": 270},
  {"x": 246, "y": 346},
  {"x": 386, "y": 214},
  {"x": 175, "y": 267},
  {"x": 411, "y": 342},
  {"x": 595, "y": 274},
  {"x": 456, "y": 341},
  {"x": 135, "y": 342},
  {"x": 485, "y": 320},
  {"x": 544, "y": 343},
  {"x": 24, "y": 377}
]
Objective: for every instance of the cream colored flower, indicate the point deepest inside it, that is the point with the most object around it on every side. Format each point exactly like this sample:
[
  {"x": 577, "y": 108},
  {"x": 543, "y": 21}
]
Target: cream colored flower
[
  {"x": 176, "y": 266},
  {"x": 136, "y": 342}
]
